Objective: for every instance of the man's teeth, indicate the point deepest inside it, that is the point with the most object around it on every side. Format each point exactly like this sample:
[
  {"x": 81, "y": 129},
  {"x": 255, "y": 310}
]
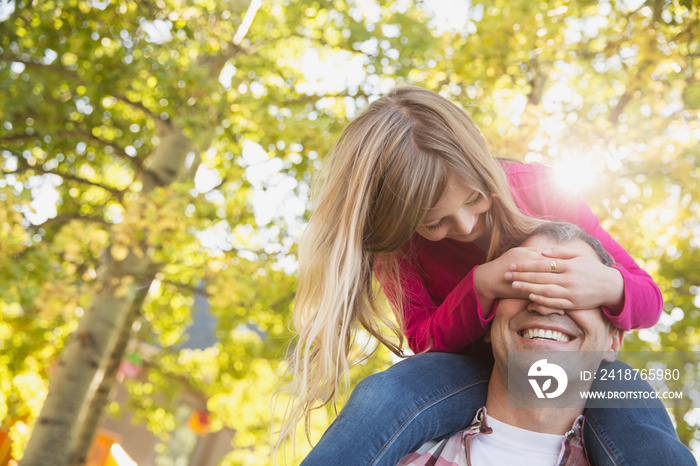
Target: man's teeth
[{"x": 542, "y": 334}]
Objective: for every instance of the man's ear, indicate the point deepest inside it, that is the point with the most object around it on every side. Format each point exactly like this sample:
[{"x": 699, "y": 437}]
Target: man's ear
[{"x": 616, "y": 337}]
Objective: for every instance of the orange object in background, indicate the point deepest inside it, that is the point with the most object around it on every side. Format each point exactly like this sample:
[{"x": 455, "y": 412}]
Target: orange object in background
[
  {"x": 5, "y": 448},
  {"x": 199, "y": 422},
  {"x": 99, "y": 454}
]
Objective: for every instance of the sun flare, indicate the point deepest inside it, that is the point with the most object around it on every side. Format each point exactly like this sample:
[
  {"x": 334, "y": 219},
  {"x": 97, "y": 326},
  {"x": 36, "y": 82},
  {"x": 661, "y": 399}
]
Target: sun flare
[{"x": 575, "y": 174}]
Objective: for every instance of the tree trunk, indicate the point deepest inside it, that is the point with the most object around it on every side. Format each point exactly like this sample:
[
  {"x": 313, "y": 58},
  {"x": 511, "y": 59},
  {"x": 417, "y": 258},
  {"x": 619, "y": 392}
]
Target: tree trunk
[
  {"x": 96, "y": 410},
  {"x": 78, "y": 374},
  {"x": 86, "y": 357}
]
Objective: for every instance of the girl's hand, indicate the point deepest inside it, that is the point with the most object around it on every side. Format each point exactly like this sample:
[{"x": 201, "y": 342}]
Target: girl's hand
[
  {"x": 580, "y": 281},
  {"x": 489, "y": 278}
]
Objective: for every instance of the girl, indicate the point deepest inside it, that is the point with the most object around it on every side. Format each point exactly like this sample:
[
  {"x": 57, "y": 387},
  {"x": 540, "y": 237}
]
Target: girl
[{"x": 413, "y": 197}]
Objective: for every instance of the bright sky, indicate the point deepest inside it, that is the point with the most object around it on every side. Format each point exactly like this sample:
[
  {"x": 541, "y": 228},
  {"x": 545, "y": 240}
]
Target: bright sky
[{"x": 7, "y": 7}]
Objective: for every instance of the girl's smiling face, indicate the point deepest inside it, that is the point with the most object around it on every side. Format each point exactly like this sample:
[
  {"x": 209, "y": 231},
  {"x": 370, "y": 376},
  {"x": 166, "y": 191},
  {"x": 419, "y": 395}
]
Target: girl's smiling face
[{"x": 460, "y": 214}]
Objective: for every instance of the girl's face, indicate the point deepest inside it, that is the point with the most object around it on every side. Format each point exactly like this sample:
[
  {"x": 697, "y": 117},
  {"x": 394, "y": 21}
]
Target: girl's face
[{"x": 460, "y": 214}]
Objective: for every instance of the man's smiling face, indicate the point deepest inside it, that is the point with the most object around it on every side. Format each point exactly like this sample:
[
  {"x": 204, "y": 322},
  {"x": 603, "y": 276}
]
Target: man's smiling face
[{"x": 519, "y": 326}]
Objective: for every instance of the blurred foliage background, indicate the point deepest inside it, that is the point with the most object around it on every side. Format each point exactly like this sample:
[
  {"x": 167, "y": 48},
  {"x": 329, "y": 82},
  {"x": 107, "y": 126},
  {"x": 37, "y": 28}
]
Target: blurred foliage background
[{"x": 154, "y": 151}]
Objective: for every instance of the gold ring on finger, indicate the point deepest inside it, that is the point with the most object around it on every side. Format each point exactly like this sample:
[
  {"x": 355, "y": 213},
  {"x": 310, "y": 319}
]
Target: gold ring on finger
[{"x": 553, "y": 266}]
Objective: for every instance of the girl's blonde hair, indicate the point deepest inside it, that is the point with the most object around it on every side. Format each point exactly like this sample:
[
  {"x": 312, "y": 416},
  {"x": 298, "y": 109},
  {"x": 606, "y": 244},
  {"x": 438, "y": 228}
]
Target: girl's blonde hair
[{"x": 388, "y": 168}]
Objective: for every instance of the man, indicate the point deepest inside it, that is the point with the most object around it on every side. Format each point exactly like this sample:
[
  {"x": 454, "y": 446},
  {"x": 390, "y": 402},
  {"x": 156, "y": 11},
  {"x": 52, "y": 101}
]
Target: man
[{"x": 535, "y": 434}]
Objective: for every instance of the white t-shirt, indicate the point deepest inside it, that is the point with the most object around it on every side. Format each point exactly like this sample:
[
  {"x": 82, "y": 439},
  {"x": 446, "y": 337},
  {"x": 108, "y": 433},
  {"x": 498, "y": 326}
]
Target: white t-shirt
[{"x": 512, "y": 445}]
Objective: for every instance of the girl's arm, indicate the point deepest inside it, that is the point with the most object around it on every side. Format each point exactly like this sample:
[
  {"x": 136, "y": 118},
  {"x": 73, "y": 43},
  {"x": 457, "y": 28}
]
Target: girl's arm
[
  {"x": 449, "y": 327},
  {"x": 630, "y": 297}
]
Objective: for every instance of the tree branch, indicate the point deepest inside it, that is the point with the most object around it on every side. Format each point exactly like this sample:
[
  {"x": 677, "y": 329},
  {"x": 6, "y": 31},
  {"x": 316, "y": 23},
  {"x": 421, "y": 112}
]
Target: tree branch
[
  {"x": 242, "y": 30},
  {"x": 118, "y": 151},
  {"x": 188, "y": 288},
  {"x": 632, "y": 87},
  {"x": 622, "y": 102},
  {"x": 65, "y": 218},
  {"x": 236, "y": 49},
  {"x": 161, "y": 126},
  {"x": 251, "y": 49},
  {"x": 78, "y": 80},
  {"x": 265, "y": 42},
  {"x": 38, "y": 65},
  {"x": 66, "y": 176},
  {"x": 692, "y": 27}
]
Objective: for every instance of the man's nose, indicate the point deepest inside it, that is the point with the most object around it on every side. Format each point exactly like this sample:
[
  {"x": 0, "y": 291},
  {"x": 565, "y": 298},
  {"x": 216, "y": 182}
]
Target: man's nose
[{"x": 544, "y": 310}]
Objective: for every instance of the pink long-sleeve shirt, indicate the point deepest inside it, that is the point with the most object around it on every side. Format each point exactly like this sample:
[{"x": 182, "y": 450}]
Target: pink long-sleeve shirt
[{"x": 441, "y": 306}]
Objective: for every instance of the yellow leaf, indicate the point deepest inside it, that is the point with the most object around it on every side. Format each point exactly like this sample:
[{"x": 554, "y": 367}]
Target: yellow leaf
[{"x": 119, "y": 252}]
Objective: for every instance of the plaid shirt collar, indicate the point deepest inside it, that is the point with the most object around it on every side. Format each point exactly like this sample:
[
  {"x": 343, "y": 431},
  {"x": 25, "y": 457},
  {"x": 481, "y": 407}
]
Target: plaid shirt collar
[
  {"x": 456, "y": 450},
  {"x": 572, "y": 451}
]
